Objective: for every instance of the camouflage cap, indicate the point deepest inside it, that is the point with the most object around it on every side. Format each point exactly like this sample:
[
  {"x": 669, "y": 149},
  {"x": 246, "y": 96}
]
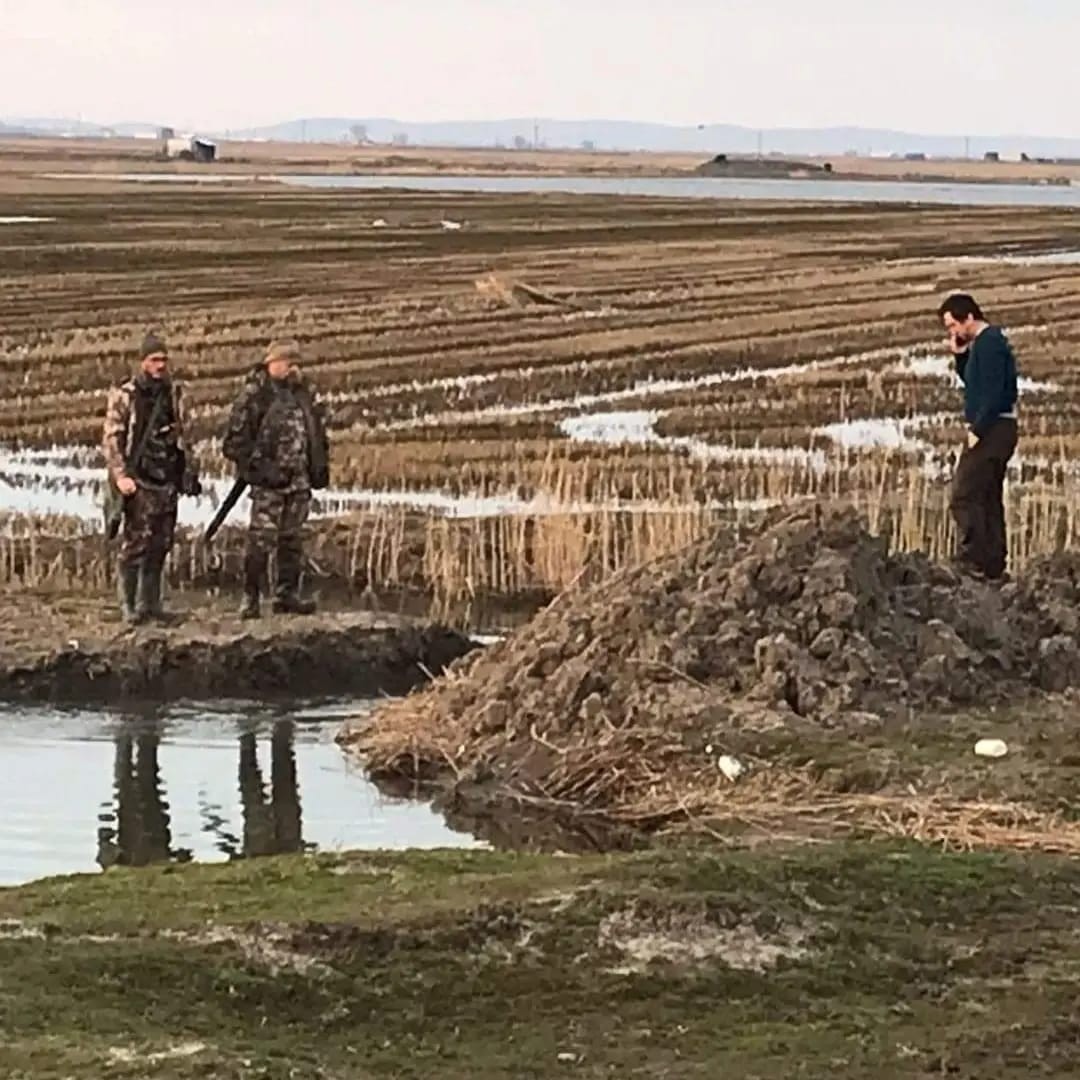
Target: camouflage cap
[{"x": 285, "y": 349}]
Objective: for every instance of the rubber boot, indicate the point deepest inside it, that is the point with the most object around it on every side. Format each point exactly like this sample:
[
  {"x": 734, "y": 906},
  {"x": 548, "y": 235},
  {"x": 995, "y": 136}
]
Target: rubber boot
[
  {"x": 127, "y": 586},
  {"x": 149, "y": 606},
  {"x": 254, "y": 574},
  {"x": 287, "y": 598}
]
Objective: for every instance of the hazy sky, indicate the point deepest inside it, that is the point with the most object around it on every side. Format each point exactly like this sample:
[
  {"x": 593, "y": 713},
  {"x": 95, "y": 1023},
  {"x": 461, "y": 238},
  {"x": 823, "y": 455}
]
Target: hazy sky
[{"x": 973, "y": 66}]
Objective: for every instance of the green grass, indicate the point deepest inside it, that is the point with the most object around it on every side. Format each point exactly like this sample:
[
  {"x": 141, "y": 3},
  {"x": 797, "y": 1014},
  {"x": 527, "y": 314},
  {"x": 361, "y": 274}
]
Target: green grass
[{"x": 889, "y": 961}]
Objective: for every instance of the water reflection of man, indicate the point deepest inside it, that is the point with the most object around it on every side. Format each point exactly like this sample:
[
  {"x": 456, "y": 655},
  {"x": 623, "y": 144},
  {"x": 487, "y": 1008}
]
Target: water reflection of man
[
  {"x": 142, "y": 834},
  {"x": 271, "y": 826}
]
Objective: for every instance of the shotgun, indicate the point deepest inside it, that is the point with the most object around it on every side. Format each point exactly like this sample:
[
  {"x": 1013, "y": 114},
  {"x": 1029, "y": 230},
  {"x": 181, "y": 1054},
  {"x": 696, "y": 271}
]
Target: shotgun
[{"x": 223, "y": 511}]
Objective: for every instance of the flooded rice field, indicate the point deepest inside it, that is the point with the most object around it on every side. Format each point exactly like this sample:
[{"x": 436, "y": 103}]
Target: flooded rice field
[
  {"x": 557, "y": 388},
  {"x": 689, "y": 187},
  {"x": 67, "y": 481},
  {"x": 86, "y": 790}
]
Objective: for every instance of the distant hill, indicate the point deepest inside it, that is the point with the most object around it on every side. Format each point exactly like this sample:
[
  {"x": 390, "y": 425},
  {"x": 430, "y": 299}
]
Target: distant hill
[
  {"x": 706, "y": 139},
  {"x": 51, "y": 125}
]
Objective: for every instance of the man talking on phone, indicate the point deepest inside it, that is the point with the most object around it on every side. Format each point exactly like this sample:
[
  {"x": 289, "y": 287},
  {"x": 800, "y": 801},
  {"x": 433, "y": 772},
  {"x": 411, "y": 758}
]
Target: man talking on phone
[{"x": 987, "y": 367}]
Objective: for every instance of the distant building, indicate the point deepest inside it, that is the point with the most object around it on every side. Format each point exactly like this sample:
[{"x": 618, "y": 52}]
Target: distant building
[
  {"x": 186, "y": 147},
  {"x": 991, "y": 155},
  {"x": 915, "y": 157}
]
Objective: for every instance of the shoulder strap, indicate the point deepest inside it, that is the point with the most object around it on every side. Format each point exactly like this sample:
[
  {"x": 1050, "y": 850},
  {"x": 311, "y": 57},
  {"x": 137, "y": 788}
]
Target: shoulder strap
[
  {"x": 264, "y": 402},
  {"x": 147, "y": 431},
  {"x": 307, "y": 407}
]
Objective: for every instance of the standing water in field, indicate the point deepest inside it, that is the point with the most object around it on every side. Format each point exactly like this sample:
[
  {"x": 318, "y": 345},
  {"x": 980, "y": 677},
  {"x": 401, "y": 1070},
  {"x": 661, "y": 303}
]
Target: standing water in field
[
  {"x": 679, "y": 187},
  {"x": 86, "y": 790}
]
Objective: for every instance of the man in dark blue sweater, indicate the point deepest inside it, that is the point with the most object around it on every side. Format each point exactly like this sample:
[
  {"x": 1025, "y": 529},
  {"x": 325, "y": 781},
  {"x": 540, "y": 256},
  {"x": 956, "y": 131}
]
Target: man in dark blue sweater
[{"x": 987, "y": 367}]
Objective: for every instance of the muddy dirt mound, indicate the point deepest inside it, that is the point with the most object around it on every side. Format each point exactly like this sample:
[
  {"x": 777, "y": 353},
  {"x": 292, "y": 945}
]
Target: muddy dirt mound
[{"x": 637, "y": 685}]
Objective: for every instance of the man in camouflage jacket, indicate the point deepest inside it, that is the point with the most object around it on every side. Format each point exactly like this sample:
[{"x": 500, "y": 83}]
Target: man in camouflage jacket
[
  {"x": 150, "y": 486},
  {"x": 276, "y": 437}
]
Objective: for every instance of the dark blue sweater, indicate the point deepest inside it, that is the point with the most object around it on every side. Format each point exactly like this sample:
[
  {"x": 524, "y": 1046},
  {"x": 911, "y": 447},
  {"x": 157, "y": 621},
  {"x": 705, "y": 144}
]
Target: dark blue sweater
[{"x": 988, "y": 371}]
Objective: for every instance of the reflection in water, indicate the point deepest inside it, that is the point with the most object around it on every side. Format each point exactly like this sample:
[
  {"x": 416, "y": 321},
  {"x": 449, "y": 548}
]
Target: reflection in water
[
  {"x": 272, "y": 825},
  {"x": 206, "y": 781},
  {"x": 139, "y": 833},
  {"x": 136, "y": 831}
]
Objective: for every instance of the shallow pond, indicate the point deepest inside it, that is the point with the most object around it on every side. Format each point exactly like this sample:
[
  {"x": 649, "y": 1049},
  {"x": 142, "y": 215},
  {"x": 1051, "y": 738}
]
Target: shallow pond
[{"x": 85, "y": 790}]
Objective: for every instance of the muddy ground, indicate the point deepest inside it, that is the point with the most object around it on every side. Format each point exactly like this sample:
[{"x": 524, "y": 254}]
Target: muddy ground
[
  {"x": 803, "y": 678},
  {"x": 838, "y": 961},
  {"x": 74, "y": 648}
]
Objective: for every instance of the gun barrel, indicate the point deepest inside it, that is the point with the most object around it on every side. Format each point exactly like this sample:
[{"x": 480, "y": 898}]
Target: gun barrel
[{"x": 231, "y": 499}]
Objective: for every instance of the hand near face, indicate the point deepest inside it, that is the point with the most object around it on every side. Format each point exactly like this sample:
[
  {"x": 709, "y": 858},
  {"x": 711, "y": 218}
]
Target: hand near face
[{"x": 956, "y": 344}]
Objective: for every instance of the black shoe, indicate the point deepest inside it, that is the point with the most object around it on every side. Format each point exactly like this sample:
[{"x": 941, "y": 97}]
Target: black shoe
[
  {"x": 254, "y": 580},
  {"x": 968, "y": 569},
  {"x": 293, "y": 605}
]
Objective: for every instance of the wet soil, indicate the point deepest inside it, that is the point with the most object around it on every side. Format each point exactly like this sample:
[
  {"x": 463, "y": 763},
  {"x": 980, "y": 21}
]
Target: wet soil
[
  {"x": 75, "y": 649},
  {"x": 733, "y": 683}
]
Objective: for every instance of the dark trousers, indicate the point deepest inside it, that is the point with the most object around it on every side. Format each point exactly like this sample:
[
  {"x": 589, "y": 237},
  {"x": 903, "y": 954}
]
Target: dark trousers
[{"x": 977, "y": 503}]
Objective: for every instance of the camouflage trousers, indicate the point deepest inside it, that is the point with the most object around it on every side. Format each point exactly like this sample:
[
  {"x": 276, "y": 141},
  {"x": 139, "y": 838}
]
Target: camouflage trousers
[
  {"x": 149, "y": 523},
  {"x": 277, "y": 519},
  {"x": 277, "y": 523}
]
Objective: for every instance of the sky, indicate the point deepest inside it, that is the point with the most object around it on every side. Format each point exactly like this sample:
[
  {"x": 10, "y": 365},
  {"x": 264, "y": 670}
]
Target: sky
[{"x": 932, "y": 66}]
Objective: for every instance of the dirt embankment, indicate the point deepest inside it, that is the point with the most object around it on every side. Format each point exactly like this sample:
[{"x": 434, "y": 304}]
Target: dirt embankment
[
  {"x": 75, "y": 650},
  {"x": 711, "y": 677}
]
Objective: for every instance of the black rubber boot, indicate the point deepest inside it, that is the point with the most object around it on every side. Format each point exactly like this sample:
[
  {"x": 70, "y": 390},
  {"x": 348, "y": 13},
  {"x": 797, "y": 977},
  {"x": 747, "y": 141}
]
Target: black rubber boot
[
  {"x": 149, "y": 605},
  {"x": 254, "y": 575},
  {"x": 287, "y": 599},
  {"x": 127, "y": 586}
]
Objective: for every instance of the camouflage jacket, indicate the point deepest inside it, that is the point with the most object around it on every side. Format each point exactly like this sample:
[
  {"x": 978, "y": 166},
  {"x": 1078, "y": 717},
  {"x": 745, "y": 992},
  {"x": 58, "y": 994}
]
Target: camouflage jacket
[
  {"x": 276, "y": 434},
  {"x": 123, "y": 426}
]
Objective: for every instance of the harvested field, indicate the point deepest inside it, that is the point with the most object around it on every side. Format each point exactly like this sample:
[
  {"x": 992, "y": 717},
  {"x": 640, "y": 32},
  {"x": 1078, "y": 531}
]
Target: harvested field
[
  {"x": 31, "y": 156},
  {"x": 624, "y": 402},
  {"x": 557, "y": 389}
]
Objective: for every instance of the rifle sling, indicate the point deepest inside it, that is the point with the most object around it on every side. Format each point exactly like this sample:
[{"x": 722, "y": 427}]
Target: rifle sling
[{"x": 131, "y": 464}]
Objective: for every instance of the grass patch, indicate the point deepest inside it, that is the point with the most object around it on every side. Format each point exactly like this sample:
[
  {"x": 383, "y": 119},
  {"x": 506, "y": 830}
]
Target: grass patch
[{"x": 839, "y": 960}]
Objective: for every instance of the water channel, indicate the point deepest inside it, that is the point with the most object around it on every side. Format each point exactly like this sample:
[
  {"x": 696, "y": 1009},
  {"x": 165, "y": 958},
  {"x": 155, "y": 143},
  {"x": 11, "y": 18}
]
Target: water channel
[{"x": 85, "y": 790}]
